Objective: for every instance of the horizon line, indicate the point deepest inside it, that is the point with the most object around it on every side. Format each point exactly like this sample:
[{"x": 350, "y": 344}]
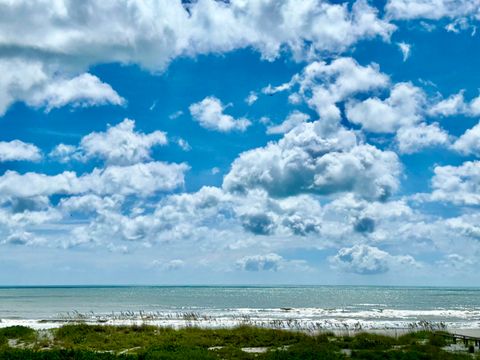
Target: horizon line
[{"x": 65, "y": 286}]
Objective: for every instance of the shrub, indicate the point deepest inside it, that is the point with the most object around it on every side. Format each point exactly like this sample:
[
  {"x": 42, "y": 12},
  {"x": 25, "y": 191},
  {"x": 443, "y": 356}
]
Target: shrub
[
  {"x": 372, "y": 341},
  {"x": 17, "y": 332}
]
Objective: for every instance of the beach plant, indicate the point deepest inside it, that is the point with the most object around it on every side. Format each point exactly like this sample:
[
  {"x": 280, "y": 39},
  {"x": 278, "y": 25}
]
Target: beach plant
[
  {"x": 145, "y": 342},
  {"x": 371, "y": 341},
  {"x": 18, "y": 332}
]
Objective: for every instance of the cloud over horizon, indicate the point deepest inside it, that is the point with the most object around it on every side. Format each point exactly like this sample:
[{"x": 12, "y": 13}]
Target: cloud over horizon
[{"x": 242, "y": 140}]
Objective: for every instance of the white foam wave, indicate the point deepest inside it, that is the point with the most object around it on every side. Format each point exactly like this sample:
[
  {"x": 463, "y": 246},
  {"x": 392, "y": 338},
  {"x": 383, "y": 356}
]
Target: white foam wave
[{"x": 281, "y": 318}]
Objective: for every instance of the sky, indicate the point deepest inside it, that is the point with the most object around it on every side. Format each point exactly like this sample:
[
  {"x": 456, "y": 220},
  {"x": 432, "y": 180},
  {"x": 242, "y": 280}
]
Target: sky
[{"x": 239, "y": 142}]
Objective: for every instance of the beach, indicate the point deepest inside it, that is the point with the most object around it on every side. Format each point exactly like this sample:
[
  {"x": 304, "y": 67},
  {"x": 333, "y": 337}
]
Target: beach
[{"x": 312, "y": 309}]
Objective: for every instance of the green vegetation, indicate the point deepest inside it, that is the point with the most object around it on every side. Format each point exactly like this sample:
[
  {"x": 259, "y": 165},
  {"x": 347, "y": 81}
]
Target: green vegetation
[
  {"x": 18, "y": 332},
  {"x": 85, "y": 342}
]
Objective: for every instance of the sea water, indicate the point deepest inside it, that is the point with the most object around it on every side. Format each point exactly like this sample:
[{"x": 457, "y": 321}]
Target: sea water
[{"x": 295, "y": 307}]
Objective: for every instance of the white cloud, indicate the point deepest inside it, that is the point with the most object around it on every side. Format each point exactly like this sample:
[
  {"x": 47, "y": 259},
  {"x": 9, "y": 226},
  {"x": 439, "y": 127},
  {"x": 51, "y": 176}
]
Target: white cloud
[
  {"x": 64, "y": 153},
  {"x": 17, "y": 150},
  {"x": 457, "y": 184},
  {"x": 466, "y": 224},
  {"x": 209, "y": 113},
  {"x": 368, "y": 260},
  {"x": 70, "y": 37},
  {"x": 330, "y": 84},
  {"x": 14, "y": 84},
  {"x": 405, "y": 49},
  {"x": 324, "y": 85},
  {"x": 475, "y": 106},
  {"x": 306, "y": 162},
  {"x": 81, "y": 91},
  {"x": 431, "y": 9},
  {"x": 266, "y": 262},
  {"x": 456, "y": 262},
  {"x": 175, "y": 115},
  {"x": 402, "y": 108},
  {"x": 90, "y": 203},
  {"x": 293, "y": 119},
  {"x": 184, "y": 145},
  {"x": 413, "y": 139},
  {"x": 469, "y": 142},
  {"x": 23, "y": 238},
  {"x": 361, "y": 259},
  {"x": 31, "y": 82},
  {"x": 119, "y": 145},
  {"x": 142, "y": 179},
  {"x": 453, "y": 105},
  {"x": 251, "y": 98},
  {"x": 171, "y": 265},
  {"x": 161, "y": 31},
  {"x": 462, "y": 24}
]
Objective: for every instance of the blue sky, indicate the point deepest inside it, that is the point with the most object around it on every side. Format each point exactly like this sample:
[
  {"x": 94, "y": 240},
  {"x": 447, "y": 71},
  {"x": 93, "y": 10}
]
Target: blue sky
[{"x": 241, "y": 142}]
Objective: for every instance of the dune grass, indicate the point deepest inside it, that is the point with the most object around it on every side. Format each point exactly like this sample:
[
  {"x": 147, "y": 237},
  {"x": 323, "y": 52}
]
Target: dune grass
[{"x": 84, "y": 342}]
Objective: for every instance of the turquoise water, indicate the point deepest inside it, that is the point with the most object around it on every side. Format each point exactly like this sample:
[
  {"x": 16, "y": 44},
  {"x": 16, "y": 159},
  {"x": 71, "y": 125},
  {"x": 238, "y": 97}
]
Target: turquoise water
[{"x": 370, "y": 306}]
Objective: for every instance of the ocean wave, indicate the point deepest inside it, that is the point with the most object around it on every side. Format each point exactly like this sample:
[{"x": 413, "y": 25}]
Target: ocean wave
[{"x": 310, "y": 319}]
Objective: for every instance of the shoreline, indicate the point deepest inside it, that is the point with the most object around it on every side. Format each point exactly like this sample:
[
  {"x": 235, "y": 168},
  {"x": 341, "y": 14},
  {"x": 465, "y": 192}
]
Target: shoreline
[{"x": 230, "y": 324}]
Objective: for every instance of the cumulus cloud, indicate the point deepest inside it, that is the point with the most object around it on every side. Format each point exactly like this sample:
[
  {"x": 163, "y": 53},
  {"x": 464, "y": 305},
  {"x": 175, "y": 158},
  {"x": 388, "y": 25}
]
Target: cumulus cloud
[
  {"x": 114, "y": 205},
  {"x": 466, "y": 225},
  {"x": 306, "y": 162},
  {"x": 64, "y": 153},
  {"x": 81, "y": 91},
  {"x": 361, "y": 259},
  {"x": 46, "y": 67},
  {"x": 15, "y": 85},
  {"x": 349, "y": 220},
  {"x": 152, "y": 34},
  {"x": 413, "y": 139},
  {"x": 457, "y": 184},
  {"x": 171, "y": 265},
  {"x": 324, "y": 85},
  {"x": 368, "y": 260},
  {"x": 431, "y": 9},
  {"x": 456, "y": 262},
  {"x": 17, "y": 150},
  {"x": 268, "y": 262},
  {"x": 31, "y": 82},
  {"x": 262, "y": 215},
  {"x": 365, "y": 225},
  {"x": 258, "y": 223},
  {"x": 469, "y": 142},
  {"x": 293, "y": 119},
  {"x": 401, "y": 113},
  {"x": 119, "y": 145},
  {"x": 21, "y": 238},
  {"x": 210, "y": 114},
  {"x": 209, "y": 218},
  {"x": 402, "y": 108},
  {"x": 142, "y": 179},
  {"x": 453, "y": 105}
]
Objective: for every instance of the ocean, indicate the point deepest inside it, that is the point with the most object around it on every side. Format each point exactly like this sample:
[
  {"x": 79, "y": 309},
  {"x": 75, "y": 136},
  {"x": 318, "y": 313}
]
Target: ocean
[{"x": 290, "y": 307}]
